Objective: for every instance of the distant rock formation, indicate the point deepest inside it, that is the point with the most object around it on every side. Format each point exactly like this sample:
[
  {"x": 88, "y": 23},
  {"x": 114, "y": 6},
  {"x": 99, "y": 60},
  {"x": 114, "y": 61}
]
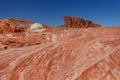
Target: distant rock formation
[
  {"x": 13, "y": 26},
  {"x": 75, "y": 22}
]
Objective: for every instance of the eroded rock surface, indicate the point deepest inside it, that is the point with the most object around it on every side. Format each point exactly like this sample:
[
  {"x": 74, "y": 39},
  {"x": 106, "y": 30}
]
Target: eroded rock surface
[
  {"x": 73, "y": 54},
  {"x": 7, "y": 27},
  {"x": 24, "y": 39},
  {"x": 76, "y": 22},
  {"x": 19, "y": 21},
  {"x": 77, "y": 50}
]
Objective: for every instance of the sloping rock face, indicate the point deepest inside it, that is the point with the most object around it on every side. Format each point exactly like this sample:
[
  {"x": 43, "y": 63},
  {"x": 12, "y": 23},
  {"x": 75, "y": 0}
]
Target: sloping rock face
[
  {"x": 7, "y": 27},
  {"x": 73, "y": 54},
  {"x": 15, "y": 25},
  {"x": 76, "y": 22},
  {"x": 35, "y": 35},
  {"x": 14, "y": 40},
  {"x": 20, "y": 22}
]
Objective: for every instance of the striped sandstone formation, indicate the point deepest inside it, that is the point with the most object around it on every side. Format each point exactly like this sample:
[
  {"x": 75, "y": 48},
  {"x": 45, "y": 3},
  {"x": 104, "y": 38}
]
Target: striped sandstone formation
[{"x": 91, "y": 53}]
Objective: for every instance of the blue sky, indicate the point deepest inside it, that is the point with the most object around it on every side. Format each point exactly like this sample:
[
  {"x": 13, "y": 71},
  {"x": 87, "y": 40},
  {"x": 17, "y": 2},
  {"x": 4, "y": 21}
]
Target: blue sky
[{"x": 51, "y": 12}]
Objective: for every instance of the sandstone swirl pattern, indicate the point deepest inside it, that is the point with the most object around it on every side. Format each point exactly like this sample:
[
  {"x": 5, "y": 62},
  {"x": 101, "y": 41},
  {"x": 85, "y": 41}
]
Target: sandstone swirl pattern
[{"x": 75, "y": 54}]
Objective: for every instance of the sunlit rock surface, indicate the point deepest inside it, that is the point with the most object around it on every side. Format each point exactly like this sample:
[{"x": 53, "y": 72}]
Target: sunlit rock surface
[
  {"x": 36, "y": 27},
  {"x": 76, "y": 22},
  {"x": 71, "y": 54},
  {"x": 7, "y": 27},
  {"x": 19, "y": 22}
]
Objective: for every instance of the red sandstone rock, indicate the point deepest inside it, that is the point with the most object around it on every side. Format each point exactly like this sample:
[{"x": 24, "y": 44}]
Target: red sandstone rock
[
  {"x": 20, "y": 22},
  {"x": 13, "y": 25},
  {"x": 6, "y": 27},
  {"x": 13, "y": 40},
  {"x": 73, "y": 54},
  {"x": 78, "y": 22},
  {"x": 59, "y": 53}
]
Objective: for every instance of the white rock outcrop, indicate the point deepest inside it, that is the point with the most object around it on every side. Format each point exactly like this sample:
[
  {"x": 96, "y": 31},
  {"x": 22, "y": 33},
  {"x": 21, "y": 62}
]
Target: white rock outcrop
[{"x": 36, "y": 27}]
